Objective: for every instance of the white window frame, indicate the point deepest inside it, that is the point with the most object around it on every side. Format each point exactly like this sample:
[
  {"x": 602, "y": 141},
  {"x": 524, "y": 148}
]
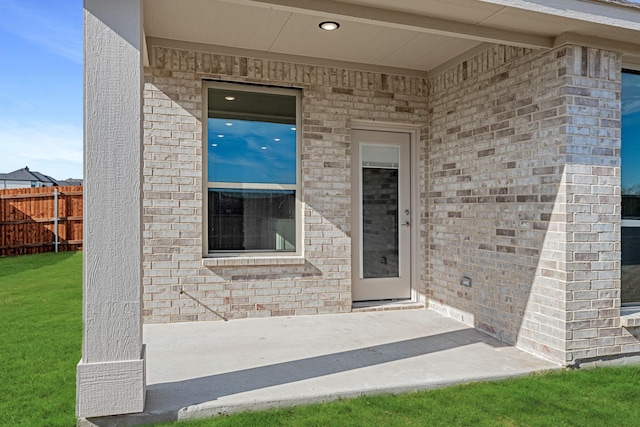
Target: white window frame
[{"x": 206, "y": 185}]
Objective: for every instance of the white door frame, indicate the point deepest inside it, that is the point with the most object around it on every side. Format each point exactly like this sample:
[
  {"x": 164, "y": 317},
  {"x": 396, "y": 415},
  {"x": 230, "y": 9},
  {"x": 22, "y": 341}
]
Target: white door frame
[{"x": 414, "y": 133}]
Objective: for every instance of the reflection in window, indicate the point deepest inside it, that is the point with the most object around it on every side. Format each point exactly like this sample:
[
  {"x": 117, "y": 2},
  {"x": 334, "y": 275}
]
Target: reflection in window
[
  {"x": 380, "y": 211},
  {"x": 251, "y": 169},
  {"x": 252, "y": 220},
  {"x": 630, "y": 183},
  {"x": 251, "y": 151}
]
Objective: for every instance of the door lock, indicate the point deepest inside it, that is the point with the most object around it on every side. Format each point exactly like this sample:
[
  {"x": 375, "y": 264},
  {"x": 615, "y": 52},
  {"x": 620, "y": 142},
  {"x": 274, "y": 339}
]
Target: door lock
[{"x": 406, "y": 224}]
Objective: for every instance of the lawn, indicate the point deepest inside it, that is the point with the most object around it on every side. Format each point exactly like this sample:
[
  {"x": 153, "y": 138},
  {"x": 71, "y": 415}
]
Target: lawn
[
  {"x": 41, "y": 318},
  {"x": 40, "y": 314},
  {"x": 591, "y": 397}
]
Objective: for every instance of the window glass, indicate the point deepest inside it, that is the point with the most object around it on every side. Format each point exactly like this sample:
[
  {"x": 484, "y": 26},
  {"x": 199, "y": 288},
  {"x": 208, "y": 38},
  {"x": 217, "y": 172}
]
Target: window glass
[
  {"x": 253, "y": 220},
  {"x": 251, "y": 169},
  {"x": 380, "y": 211},
  {"x": 630, "y": 170},
  {"x": 251, "y": 151},
  {"x": 630, "y": 183}
]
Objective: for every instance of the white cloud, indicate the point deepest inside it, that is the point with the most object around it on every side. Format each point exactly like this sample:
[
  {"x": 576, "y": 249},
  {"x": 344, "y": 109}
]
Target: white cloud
[
  {"x": 631, "y": 106},
  {"x": 54, "y": 32},
  {"x": 51, "y": 149}
]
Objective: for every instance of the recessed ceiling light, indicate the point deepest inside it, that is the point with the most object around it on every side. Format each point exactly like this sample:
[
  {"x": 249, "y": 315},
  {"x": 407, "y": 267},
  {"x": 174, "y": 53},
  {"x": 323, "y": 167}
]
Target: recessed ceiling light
[
  {"x": 264, "y": 148},
  {"x": 230, "y": 98},
  {"x": 229, "y": 124},
  {"x": 276, "y": 139},
  {"x": 214, "y": 145},
  {"x": 329, "y": 25},
  {"x": 293, "y": 128},
  {"x": 220, "y": 135}
]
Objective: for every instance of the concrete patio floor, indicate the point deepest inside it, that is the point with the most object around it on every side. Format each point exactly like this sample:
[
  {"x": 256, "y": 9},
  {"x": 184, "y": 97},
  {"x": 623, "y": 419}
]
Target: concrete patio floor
[{"x": 207, "y": 368}]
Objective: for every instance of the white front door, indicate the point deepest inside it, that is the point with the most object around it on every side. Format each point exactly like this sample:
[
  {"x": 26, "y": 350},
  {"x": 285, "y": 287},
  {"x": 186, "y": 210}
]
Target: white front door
[{"x": 381, "y": 206}]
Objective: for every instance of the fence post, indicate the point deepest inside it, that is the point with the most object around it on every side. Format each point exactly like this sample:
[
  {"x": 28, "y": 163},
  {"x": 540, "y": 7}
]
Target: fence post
[{"x": 55, "y": 218}]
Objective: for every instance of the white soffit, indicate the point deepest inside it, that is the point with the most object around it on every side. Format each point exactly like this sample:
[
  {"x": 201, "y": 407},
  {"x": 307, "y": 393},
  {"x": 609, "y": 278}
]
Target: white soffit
[
  {"x": 428, "y": 51},
  {"x": 393, "y": 47},
  {"x": 608, "y": 13},
  {"x": 468, "y": 11},
  {"x": 410, "y": 34},
  {"x": 301, "y": 35},
  {"x": 543, "y": 24},
  {"x": 214, "y": 22},
  {"x": 272, "y": 30}
]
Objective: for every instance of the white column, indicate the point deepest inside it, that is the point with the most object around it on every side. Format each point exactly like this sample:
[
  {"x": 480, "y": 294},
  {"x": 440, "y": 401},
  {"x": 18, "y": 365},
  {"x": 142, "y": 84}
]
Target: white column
[{"x": 111, "y": 373}]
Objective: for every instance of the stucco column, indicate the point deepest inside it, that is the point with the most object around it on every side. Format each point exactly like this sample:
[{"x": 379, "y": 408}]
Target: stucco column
[{"x": 111, "y": 373}]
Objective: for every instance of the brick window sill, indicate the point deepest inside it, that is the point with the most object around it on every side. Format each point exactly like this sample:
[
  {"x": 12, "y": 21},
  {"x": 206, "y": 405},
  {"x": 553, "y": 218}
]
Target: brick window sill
[
  {"x": 630, "y": 317},
  {"x": 252, "y": 261}
]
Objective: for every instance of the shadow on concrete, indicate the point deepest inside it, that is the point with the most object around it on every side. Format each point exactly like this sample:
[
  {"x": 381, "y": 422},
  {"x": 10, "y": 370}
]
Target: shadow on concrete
[
  {"x": 206, "y": 370},
  {"x": 173, "y": 396}
]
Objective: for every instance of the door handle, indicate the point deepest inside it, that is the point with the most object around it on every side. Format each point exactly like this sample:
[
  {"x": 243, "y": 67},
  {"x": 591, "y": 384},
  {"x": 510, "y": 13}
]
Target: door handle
[{"x": 406, "y": 224}]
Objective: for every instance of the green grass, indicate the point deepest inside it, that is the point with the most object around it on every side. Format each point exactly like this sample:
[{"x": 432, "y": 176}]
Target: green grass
[
  {"x": 590, "y": 397},
  {"x": 40, "y": 336}
]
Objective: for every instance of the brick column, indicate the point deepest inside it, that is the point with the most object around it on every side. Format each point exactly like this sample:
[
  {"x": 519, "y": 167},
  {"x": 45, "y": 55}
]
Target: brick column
[
  {"x": 110, "y": 375},
  {"x": 592, "y": 175}
]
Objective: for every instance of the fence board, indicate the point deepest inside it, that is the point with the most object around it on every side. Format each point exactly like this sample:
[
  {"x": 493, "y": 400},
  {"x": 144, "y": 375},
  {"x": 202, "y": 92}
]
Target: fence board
[{"x": 27, "y": 220}]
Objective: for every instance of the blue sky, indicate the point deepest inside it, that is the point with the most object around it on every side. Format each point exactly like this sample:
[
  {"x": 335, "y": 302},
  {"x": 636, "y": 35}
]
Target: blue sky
[
  {"x": 41, "y": 86},
  {"x": 246, "y": 151},
  {"x": 630, "y": 170}
]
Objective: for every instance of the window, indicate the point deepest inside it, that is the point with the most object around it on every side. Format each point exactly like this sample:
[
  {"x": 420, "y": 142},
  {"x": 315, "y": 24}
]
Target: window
[
  {"x": 630, "y": 183},
  {"x": 252, "y": 170}
]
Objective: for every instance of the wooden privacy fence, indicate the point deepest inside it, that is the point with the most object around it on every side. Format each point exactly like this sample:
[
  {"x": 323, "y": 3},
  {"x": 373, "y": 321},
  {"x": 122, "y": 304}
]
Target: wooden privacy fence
[{"x": 31, "y": 221}]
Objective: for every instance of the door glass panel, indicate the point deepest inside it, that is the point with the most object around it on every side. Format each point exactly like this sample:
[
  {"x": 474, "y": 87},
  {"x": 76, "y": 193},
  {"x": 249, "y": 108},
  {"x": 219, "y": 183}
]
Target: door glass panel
[
  {"x": 380, "y": 210},
  {"x": 380, "y": 156}
]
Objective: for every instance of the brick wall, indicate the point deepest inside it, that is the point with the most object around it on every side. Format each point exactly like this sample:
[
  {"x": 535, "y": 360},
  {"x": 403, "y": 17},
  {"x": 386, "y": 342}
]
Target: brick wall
[
  {"x": 518, "y": 181},
  {"x": 523, "y": 194},
  {"x": 593, "y": 205},
  {"x": 321, "y": 283},
  {"x": 495, "y": 170}
]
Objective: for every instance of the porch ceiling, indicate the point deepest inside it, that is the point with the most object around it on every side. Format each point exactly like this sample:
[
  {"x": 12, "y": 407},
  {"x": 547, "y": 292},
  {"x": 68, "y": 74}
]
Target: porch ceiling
[{"x": 418, "y": 35}]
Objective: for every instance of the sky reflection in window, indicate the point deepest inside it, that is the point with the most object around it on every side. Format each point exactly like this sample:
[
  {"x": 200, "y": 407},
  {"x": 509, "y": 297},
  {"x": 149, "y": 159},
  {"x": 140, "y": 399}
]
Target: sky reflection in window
[
  {"x": 251, "y": 152},
  {"x": 630, "y": 169}
]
